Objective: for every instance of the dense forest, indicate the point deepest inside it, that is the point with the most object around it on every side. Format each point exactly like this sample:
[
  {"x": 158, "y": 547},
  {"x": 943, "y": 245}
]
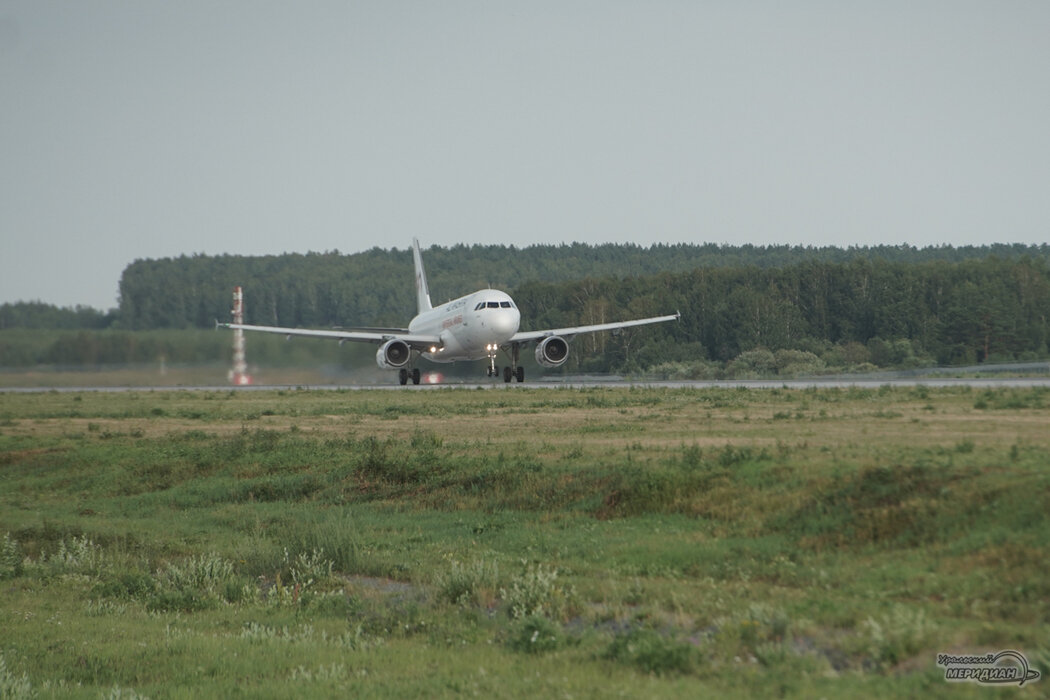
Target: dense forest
[
  {"x": 864, "y": 311},
  {"x": 745, "y": 309},
  {"x": 36, "y": 314},
  {"x": 374, "y": 287}
]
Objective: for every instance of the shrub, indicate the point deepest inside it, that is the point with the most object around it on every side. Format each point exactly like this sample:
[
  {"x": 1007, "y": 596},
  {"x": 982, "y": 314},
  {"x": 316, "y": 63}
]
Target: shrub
[
  {"x": 126, "y": 584},
  {"x": 653, "y": 652},
  {"x": 759, "y": 362},
  {"x": 78, "y": 555},
  {"x": 760, "y": 630},
  {"x": 469, "y": 584},
  {"x": 897, "y": 635},
  {"x": 310, "y": 568},
  {"x": 199, "y": 583},
  {"x": 180, "y": 601},
  {"x": 10, "y": 558},
  {"x": 535, "y": 635},
  {"x": 791, "y": 363},
  {"x": 207, "y": 573},
  {"x": 536, "y": 592}
]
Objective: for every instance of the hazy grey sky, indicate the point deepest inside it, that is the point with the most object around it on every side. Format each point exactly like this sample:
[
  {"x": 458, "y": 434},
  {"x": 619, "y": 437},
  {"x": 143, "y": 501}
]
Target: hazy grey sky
[{"x": 144, "y": 129}]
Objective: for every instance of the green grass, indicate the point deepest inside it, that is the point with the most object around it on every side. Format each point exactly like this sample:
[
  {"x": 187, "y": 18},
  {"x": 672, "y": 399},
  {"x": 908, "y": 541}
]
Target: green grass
[{"x": 650, "y": 542}]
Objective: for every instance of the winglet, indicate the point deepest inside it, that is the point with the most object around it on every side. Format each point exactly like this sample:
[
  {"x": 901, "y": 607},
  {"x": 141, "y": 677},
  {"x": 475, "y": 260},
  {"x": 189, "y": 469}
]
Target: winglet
[{"x": 422, "y": 291}]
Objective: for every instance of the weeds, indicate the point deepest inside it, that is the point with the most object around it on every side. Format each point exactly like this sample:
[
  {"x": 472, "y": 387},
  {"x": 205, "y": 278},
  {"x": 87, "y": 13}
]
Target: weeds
[
  {"x": 878, "y": 505},
  {"x": 471, "y": 584},
  {"x": 536, "y": 592},
  {"x": 309, "y": 567},
  {"x": 337, "y": 539},
  {"x": 10, "y": 558},
  {"x": 78, "y": 555},
  {"x": 207, "y": 573},
  {"x": 333, "y": 672},
  {"x": 653, "y": 652},
  {"x": 258, "y": 633},
  {"x": 535, "y": 635},
  {"x": 759, "y": 631},
  {"x": 897, "y": 635},
  {"x": 14, "y": 686},
  {"x": 119, "y": 693}
]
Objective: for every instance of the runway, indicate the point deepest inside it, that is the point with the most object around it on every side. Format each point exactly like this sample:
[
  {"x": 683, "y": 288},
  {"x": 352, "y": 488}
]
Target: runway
[{"x": 592, "y": 383}]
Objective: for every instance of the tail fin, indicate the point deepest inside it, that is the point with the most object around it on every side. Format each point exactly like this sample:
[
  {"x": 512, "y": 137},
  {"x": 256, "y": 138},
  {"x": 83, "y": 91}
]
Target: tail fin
[{"x": 422, "y": 291}]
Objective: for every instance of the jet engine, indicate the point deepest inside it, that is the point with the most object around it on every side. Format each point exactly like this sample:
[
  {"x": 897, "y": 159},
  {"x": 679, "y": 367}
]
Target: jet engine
[
  {"x": 393, "y": 354},
  {"x": 552, "y": 351}
]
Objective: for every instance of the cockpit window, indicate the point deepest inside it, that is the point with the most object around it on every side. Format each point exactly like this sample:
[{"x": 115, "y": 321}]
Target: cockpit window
[{"x": 494, "y": 305}]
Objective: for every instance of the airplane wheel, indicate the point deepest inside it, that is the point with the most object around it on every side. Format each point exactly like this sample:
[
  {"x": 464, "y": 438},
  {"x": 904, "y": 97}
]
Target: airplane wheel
[
  {"x": 402, "y": 376},
  {"x": 521, "y": 374},
  {"x": 415, "y": 376},
  {"x": 506, "y": 374}
]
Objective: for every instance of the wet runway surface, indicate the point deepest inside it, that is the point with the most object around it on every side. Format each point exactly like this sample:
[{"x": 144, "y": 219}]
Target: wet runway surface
[{"x": 578, "y": 383}]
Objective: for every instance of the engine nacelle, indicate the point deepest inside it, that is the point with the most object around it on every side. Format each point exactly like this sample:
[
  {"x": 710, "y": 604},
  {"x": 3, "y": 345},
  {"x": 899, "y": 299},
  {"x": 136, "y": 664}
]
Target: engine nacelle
[
  {"x": 393, "y": 354},
  {"x": 552, "y": 351}
]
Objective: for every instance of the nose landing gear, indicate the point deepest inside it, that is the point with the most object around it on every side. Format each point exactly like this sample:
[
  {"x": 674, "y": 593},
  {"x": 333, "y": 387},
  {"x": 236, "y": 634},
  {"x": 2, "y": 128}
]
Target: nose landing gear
[
  {"x": 514, "y": 371},
  {"x": 492, "y": 370}
]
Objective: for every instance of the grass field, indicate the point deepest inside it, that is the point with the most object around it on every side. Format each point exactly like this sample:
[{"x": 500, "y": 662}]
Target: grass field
[{"x": 520, "y": 542}]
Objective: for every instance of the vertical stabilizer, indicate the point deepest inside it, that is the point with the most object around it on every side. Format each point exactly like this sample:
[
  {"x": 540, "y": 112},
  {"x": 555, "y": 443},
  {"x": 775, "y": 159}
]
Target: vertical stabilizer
[{"x": 422, "y": 290}]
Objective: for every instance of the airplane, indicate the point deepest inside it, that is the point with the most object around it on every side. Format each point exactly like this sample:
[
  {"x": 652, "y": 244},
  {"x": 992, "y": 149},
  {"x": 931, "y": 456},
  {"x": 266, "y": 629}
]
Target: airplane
[{"x": 474, "y": 327}]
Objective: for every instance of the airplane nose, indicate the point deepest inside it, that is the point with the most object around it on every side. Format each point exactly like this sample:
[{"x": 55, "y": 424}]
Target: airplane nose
[{"x": 506, "y": 322}]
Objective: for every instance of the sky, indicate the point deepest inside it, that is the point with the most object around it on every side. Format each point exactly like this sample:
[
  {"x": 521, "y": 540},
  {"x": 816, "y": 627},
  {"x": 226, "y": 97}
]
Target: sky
[{"x": 152, "y": 129}]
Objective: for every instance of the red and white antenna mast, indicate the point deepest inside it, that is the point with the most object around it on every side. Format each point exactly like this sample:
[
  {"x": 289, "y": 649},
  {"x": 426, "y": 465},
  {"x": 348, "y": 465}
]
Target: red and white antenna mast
[{"x": 239, "y": 374}]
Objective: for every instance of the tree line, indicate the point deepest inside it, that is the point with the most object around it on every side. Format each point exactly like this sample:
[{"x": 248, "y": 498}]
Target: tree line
[
  {"x": 374, "y": 287},
  {"x": 864, "y": 311},
  {"x": 37, "y": 314},
  {"x": 817, "y": 307}
]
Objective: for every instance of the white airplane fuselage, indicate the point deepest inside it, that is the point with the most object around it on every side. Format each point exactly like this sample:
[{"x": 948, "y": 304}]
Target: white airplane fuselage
[{"x": 470, "y": 327}]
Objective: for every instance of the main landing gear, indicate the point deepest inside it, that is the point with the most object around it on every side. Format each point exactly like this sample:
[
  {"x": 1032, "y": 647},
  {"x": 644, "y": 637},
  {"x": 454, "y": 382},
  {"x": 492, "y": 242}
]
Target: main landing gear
[
  {"x": 514, "y": 371},
  {"x": 403, "y": 376},
  {"x": 509, "y": 373}
]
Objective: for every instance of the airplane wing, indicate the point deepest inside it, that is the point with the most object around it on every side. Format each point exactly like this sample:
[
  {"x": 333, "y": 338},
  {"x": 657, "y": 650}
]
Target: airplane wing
[
  {"x": 567, "y": 333},
  {"x": 373, "y": 329},
  {"x": 416, "y": 340}
]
